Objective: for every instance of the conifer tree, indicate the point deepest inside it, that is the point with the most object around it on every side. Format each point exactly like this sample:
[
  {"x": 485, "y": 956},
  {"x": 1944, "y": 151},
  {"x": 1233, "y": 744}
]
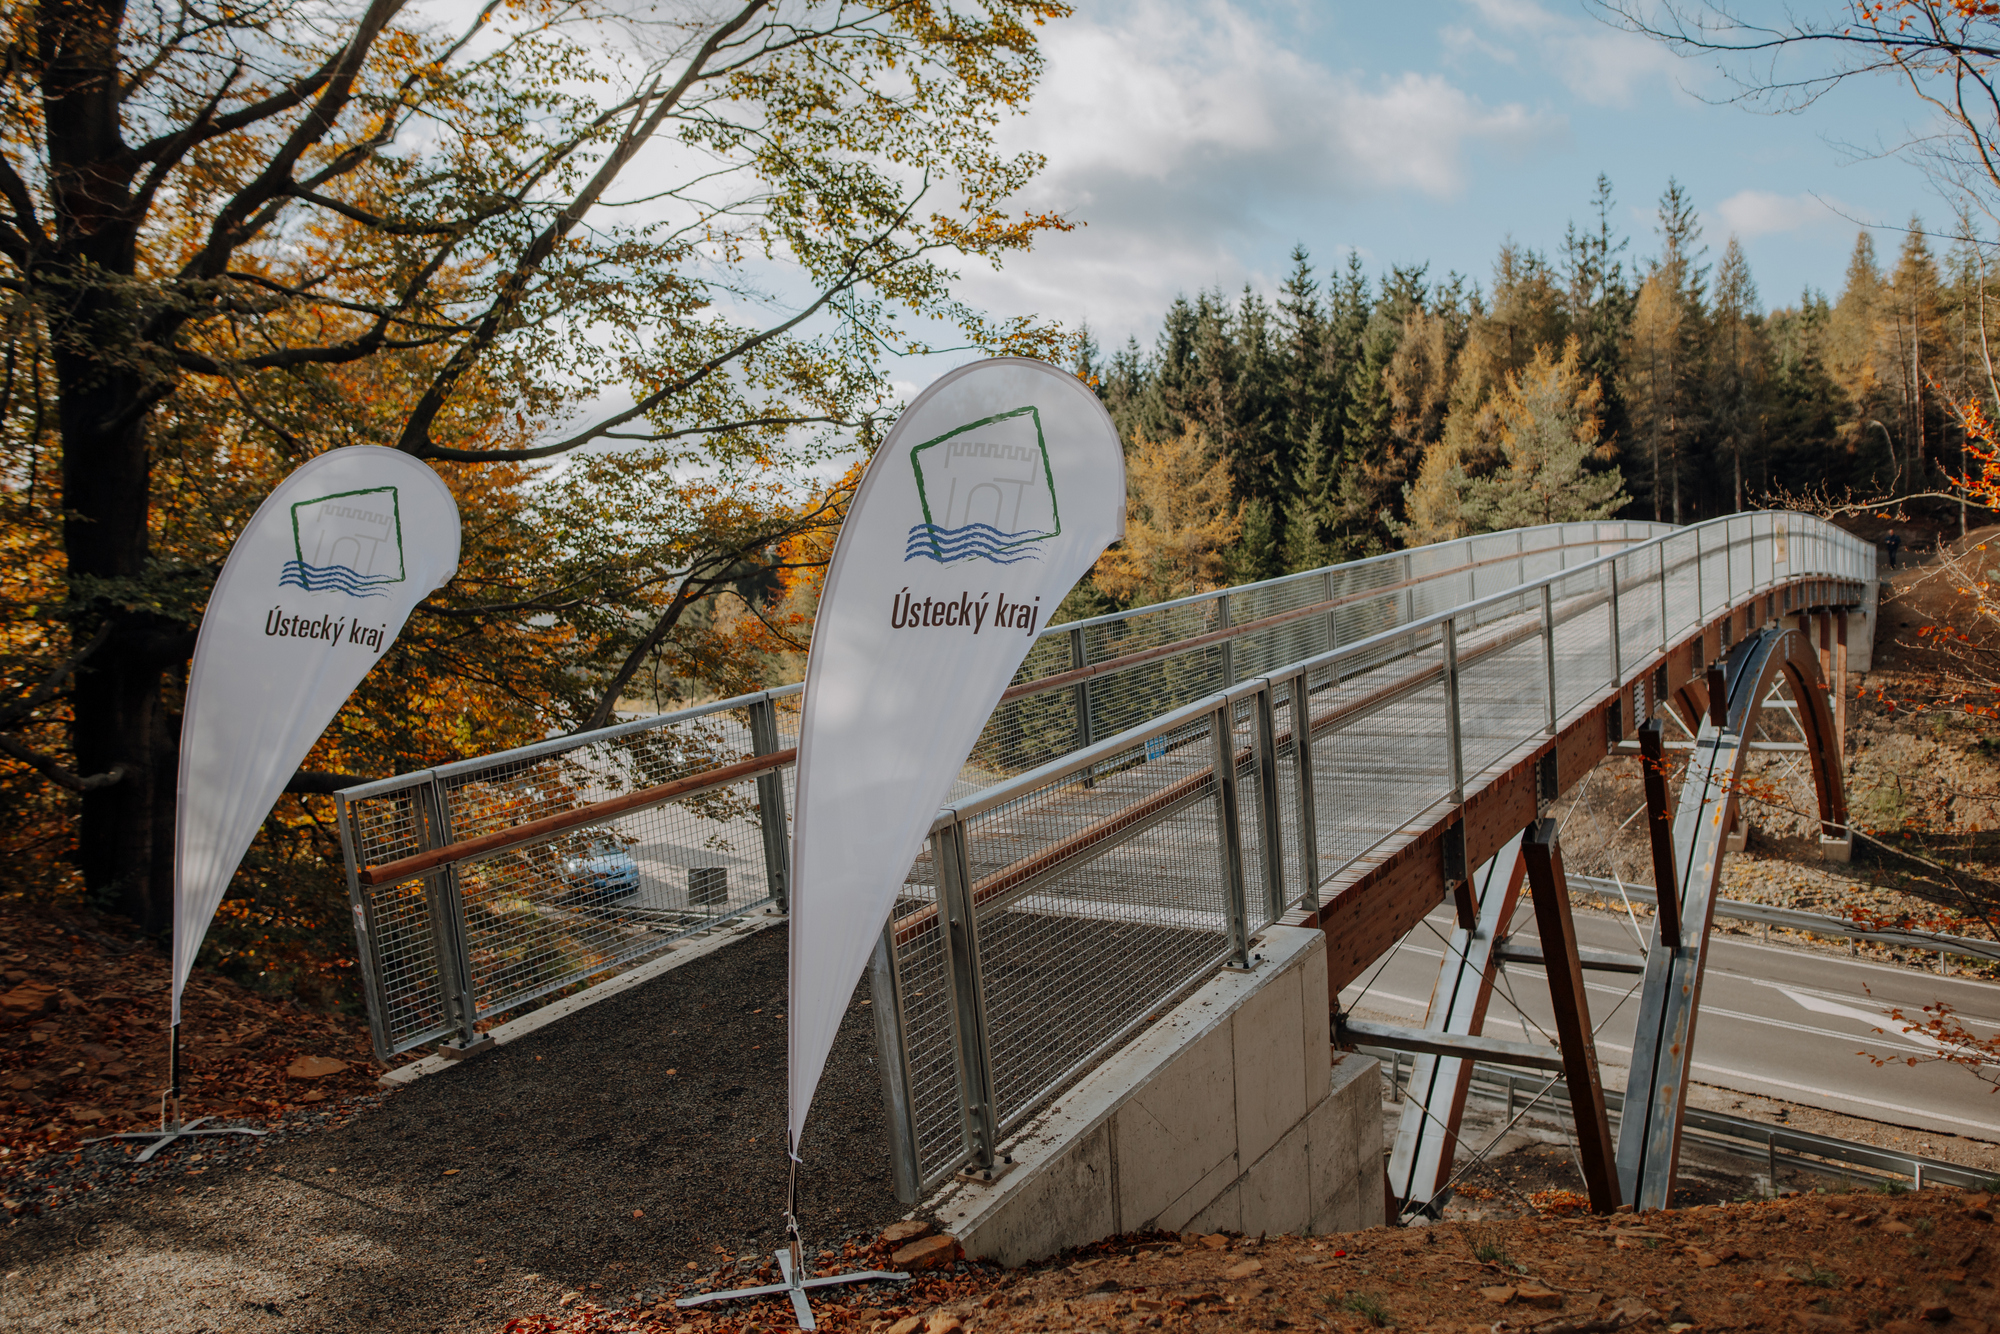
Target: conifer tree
[
  {"x": 1552, "y": 435},
  {"x": 1310, "y": 513},
  {"x": 1257, "y": 554},
  {"x": 1736, "y": 361},
  {"x": 1915, "y": 339},
  {"x": 1663, "y": 353}
]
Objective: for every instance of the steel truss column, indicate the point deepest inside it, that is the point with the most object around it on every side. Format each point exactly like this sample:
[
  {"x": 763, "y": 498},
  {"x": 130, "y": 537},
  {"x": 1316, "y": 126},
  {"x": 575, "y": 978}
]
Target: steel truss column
[
  {"x": 1659, "y": 825},
  {"x": 1543, "y": 855},
  {"x": 1427, "y": 1139}
]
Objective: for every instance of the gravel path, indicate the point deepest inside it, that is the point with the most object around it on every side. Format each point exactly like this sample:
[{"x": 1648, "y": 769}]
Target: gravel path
[{"x": 608, "y": 1153}]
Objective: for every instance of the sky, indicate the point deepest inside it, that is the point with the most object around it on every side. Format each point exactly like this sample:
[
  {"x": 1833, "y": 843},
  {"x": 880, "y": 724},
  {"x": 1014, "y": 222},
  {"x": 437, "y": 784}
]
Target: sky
[{"x": 1199, "y": 140}]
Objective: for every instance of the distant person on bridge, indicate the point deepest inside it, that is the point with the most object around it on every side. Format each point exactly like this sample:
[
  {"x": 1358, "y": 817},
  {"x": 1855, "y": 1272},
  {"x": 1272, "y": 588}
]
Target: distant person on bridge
[{"x": 1895, "y": 544}]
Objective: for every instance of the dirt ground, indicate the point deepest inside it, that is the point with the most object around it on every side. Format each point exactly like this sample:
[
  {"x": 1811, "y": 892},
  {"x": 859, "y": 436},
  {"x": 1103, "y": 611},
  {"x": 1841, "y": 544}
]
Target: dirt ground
[
  {"x": 1821, "y": 1264},
  {"x": 609, "y": 1154}
]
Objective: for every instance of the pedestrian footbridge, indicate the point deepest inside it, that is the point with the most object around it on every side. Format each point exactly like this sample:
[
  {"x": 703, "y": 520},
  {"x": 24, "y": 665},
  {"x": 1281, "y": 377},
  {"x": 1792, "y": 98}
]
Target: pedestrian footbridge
[{"x": 1343, "y": 749}]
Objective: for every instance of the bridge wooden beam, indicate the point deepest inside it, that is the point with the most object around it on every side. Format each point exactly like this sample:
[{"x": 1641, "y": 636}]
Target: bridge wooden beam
[{"x": 1543, "y": 855}]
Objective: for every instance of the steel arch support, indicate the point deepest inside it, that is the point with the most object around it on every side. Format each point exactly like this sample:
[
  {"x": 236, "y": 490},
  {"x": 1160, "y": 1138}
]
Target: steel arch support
[{"x": 1663, "y": 1045}]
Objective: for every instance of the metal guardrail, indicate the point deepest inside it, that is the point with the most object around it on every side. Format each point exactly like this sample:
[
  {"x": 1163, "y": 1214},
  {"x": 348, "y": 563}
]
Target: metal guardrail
[
  {"x": 1776, "y": 1147},
  {"x": 1154, "y": 787},
  {"x": 1797, "y": 919},
  {"x": 480, "y": 886}
]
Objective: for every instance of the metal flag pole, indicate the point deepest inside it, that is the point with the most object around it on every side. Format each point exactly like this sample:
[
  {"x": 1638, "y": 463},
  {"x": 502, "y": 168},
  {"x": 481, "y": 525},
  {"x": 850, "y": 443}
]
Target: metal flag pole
[
  {"x": 791, "y": 1264},
  {"x": 174, "y": 1128}
]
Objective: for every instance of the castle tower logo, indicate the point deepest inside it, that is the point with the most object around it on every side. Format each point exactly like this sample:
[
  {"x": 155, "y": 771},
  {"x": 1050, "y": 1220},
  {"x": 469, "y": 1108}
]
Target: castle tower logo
[
  {"x": 987, "y": 492},
  {"x": 349, "y": 542}
]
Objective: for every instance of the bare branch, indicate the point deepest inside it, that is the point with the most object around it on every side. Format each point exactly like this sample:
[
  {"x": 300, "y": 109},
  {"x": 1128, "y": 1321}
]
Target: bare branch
[
  {"x": 51, "y": 683},
  {"x": 52, "y": 770}
]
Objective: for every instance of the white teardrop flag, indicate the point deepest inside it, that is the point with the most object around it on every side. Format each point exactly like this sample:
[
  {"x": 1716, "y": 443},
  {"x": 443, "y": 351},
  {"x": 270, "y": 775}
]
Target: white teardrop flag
[
  {"x": 315, "y": 590},
  {"x": 993, "y": 494}
]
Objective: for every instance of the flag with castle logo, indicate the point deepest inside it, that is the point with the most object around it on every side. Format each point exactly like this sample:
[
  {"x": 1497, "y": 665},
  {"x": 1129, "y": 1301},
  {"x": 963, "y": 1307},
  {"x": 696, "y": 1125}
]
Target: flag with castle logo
[
  {"x": 314, "y": 592},
  {"x": 992, "y": 495}
]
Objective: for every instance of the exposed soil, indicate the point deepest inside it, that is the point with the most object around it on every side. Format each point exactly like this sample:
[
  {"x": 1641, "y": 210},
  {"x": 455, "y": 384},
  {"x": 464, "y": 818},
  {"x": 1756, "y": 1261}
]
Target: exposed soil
[{"x": 1818, "y": 1264}]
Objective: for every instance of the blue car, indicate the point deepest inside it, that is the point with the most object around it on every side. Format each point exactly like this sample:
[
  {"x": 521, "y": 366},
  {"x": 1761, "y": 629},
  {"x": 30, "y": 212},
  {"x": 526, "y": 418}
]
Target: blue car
[{"x": 600, "y": 870}]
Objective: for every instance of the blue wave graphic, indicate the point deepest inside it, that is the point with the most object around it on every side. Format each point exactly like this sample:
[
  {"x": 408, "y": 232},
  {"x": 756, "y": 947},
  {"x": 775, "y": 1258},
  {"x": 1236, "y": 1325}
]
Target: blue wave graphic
[
  {"x": 975, "y": 541},
  {"x": 324, "y": 578}
]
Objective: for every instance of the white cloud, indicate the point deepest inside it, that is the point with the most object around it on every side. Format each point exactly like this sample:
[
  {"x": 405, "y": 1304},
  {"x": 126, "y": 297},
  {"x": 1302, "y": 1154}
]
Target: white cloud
[
  {"x": 1749, "y": 213},
  {"x": 1175, "y": 131},
  {"x": 1603, "y": 65}
]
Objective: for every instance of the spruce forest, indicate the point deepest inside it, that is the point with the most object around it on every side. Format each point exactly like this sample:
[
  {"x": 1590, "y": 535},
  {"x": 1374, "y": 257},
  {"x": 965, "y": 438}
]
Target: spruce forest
[{"x": 1352, "y": 413}]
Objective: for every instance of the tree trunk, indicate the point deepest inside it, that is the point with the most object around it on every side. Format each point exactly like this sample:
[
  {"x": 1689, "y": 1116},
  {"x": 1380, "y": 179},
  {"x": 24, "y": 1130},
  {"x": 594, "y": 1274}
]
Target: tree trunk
[
  {"x": 107, "y": 379},
  {"x": 126, "y": 831}
]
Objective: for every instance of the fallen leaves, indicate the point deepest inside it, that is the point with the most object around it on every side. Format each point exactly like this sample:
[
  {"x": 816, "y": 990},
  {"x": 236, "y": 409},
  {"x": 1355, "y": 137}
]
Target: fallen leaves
[
  {"x": 315, "y": 1067},
  {"x": 83, "y": 1015}
]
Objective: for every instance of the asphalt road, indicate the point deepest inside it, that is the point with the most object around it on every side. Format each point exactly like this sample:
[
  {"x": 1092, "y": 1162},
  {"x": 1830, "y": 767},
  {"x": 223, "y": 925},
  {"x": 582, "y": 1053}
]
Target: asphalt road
[{"x": 1785, "y": 1023}]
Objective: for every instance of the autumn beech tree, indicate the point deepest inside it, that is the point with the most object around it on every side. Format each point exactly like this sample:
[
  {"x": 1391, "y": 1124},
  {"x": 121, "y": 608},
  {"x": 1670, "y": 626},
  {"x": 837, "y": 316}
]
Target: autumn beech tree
[{"x": 232, "y": 236}]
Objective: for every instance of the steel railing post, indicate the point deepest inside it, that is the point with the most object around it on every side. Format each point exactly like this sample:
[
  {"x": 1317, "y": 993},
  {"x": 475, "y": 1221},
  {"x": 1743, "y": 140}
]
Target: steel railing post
[
  {"x": 1077, "y": 662},
  {"x": 1228, "y": 645},
  {"x": 1617, "y": 649},
  {"x": 1085, "y": 734},
  {"x": 1308, "y": 806},
  {"x": 1409, "y": 601},
  {"x": 1700, "y": 586},
  {"x": 892, "y": 1052},
  {"x": 365, "y": 941},
  {"x": 1665, "y": 643},
  {"x": 447, "y": 915},
  {"x": 1454, "y": 741},
  {"x": 979, "y": 1117},
  {"x": 1549, "y": 656},
  {"x": 1271, "y": 834},
  {"x": 1229, "y": 831},
  {"x": 772, "y": 819},
  {"x": 1332, "y": 631}
]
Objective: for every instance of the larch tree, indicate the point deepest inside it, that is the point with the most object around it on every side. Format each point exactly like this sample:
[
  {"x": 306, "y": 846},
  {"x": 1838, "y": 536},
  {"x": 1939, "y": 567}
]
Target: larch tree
[
  {"x": 1913, "y": 313},
  {"x": 1179, "y": 522}
]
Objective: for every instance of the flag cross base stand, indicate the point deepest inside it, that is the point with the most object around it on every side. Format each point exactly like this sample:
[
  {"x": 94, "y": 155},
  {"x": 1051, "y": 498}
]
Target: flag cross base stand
[
  {"x": 795, "y": 1286},
  {"x": 170, "y": 1131}
]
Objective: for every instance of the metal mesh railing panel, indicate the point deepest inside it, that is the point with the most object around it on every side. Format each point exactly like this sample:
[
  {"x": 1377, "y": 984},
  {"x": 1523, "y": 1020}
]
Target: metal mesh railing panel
[
  {"x": 1376, "y": 768},
  {"x": 551, "y": 913},
  {"x": 406, "y": 964},
  {"x": 541, "y": 917},
  {"x": 1074, "y": 960},
  {"x": 1499, "y": 696},
  {"x": 923, "y": 983}
]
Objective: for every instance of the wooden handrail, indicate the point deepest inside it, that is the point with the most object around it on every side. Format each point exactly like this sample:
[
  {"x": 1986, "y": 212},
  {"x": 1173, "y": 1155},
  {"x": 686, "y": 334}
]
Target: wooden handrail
[{"x": 392, "y": 873}]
